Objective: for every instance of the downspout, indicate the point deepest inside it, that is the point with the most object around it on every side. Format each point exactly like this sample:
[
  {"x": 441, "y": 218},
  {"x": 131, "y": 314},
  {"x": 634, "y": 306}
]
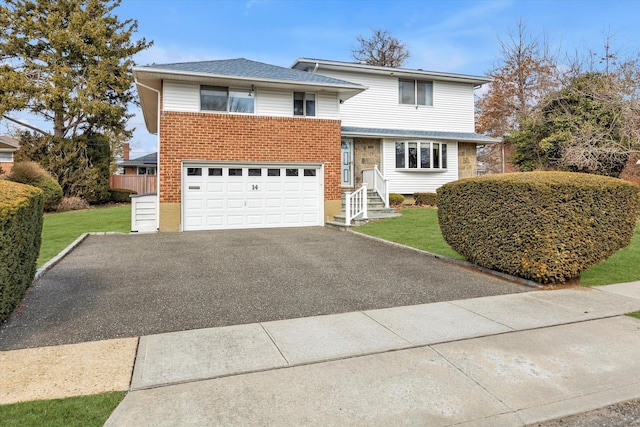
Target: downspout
[{"x": 158, "y": 151}]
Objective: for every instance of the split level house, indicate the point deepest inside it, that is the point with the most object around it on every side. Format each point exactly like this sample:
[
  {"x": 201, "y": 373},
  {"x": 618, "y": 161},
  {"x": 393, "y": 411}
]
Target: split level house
[{"x": 244, "y": 144}]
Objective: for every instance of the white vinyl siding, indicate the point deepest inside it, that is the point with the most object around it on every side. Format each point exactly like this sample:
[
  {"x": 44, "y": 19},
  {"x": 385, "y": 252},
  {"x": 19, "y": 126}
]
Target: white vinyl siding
[
  {"x": 327, "y": 106},
  {"x": 404, "y": 181},
  {"x": 179, "y": 96},
  {"x": 379, "y": 106},
  {"x": 274, "y": 103}
]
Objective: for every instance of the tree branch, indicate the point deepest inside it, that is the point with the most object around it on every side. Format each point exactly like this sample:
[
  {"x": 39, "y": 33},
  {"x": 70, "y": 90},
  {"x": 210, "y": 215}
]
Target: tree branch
[{"x": 25, "y": 125}]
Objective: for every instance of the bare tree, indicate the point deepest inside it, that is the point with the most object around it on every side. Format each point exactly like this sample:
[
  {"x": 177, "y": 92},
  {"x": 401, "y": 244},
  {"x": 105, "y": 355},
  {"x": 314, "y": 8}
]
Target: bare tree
[
  {"x": 525, "y": 73},
  {"x": 381, "y": 48}
]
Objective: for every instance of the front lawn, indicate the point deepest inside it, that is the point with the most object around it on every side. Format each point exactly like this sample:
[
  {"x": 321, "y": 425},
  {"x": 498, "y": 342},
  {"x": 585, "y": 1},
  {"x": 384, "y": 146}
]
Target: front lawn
[
  {"x": 83, "y": 411},
  {"x": 419, "y": 229},
  {"x": 61, "y": 229}
]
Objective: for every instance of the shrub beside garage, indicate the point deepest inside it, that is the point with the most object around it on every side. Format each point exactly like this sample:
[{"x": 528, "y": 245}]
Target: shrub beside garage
[
  {"x": 542, "y": 226},
  {"x": 21, "y": 208}
]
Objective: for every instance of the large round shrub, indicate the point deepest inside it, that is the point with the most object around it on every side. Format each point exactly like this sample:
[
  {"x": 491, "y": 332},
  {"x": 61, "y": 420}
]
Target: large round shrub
[
  {"x": 543, "y": 226},
  {"x": 32, "y": 173}
]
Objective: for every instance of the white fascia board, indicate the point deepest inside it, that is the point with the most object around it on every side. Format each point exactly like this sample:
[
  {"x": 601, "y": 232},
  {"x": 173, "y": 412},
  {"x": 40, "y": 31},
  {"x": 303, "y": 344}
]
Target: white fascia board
[
  {"x": 347, "y": 90},
  {"x": 389, "y": 71}
]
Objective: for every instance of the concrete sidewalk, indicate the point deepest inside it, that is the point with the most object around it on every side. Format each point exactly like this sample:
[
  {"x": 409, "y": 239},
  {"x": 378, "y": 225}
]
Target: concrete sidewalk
[{"x": 505, "y": 360}]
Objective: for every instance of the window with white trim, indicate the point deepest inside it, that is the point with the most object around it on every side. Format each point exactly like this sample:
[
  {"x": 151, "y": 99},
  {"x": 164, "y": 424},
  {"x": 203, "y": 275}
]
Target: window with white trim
[
  {"x": 224, "y": 99},
  {"x": 415, "y": 92},
  {"x": 6, "y": 156},
  {"x": 142, "y": 170},
  {"x": 304, "y": 104},
  {"x": 423, "y": 155}
]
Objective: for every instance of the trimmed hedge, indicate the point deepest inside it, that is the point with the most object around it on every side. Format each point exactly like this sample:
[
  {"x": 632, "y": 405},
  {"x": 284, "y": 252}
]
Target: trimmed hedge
[
  {"x": 395, "y": 199},
  {"x": 121, "y": 195},
  {"x": 32, "y": 173},
  {"x": 425, "y": 199},
  {"x": 21, "y": 208},
  {"x": 543, "y": 226}
]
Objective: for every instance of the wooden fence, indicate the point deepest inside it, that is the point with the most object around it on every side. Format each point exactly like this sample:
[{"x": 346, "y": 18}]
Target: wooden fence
[{"x": 141, "y": 184}]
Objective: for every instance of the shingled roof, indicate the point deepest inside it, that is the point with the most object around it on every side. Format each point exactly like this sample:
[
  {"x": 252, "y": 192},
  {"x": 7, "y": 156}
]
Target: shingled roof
[{"x": 245, "y": 68}]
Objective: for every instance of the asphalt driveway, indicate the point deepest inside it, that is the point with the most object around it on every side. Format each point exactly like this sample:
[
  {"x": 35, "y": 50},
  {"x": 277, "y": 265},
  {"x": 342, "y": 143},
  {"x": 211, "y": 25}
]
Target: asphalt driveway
[{"x": 115, "y": 286}]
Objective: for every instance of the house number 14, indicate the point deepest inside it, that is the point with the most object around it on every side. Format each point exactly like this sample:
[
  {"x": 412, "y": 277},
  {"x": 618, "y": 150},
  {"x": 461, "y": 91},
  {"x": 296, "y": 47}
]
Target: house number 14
[{"x": 254, "y": 187}]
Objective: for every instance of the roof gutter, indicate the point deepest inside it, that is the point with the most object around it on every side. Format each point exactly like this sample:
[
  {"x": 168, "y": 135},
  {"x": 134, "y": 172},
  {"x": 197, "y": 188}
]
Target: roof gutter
[{"x": 158, "y": 151}]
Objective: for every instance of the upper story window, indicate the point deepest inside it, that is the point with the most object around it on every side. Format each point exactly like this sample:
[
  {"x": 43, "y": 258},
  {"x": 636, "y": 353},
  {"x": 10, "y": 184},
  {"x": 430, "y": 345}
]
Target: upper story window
[
  {"x": 6, "y": 157},
  {"x": 421, "y": 155},
  {"x": 415, "y": 92},
  {"x": 219, "y": 98},
  {"x": 304, "y": 104}
]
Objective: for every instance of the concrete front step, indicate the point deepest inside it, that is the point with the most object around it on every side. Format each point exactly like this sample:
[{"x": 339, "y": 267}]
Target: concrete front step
[{"x": 371, "y": 216}]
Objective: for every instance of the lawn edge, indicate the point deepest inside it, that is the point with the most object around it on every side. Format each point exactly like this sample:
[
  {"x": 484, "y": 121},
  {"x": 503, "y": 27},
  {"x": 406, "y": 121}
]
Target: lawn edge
[
  {"x": 459, "y": 262},
  {"x": 56, "y": 259}
]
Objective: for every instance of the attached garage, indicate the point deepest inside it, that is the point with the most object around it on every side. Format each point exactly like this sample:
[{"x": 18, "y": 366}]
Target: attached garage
[{"x": 218, "y": 196}]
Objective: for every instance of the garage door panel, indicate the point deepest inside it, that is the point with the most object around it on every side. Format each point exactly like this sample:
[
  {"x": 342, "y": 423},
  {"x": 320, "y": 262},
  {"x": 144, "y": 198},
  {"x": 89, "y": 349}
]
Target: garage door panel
[
  {"x": 254, "y": 203},
  {"x": 235, "y": 187},
  {"x": 215, "y": 220},
  {"x": 215, "y": 188},
  {"x": 235, "y": 203},
  {"x": 273, "y": 203},
  {"x": 251, "y": 197},
  {"x": 274, "y": 187}
]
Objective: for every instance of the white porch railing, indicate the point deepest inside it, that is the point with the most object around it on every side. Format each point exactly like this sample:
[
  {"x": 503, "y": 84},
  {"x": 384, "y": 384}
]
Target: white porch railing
[
  {"x": 374, "y": 179},
  {"x": 355, "y": 204}
]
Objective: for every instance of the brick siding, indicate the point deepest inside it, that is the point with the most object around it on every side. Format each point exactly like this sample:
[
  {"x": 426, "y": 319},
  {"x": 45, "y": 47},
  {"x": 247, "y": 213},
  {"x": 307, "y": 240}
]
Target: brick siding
[{"x": 245, "y": 138}]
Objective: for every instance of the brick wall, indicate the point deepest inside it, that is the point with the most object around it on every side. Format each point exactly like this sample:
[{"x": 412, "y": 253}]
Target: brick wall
[
  {"x": 243, "y": 138},
  {"x": 6, "y": 166},
  {"x": 467, "y": 160}
]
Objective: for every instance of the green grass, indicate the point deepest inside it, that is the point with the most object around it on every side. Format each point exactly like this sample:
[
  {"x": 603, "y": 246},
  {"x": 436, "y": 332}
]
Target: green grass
[
  {"x": 61, "y": 229},
  {"x": 83, "y": 411},
  {"x": 635, "y": 314},
  {"x": 619, "y": 268},
  {"x": 419, "y": 228}
]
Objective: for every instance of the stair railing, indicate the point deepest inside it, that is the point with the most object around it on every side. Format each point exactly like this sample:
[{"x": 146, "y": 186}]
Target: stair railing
[
  {"x": 355, "y": 204},
  {"x": 374, "y": 179}
]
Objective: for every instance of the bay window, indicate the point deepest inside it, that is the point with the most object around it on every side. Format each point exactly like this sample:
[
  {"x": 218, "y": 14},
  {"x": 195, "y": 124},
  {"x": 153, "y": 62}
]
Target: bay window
[{"x": 418, "y": 155}]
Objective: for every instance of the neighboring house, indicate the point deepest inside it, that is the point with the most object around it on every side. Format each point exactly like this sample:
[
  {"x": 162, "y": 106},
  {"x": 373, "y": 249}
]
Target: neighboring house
[
  {"x": 139, "y": 174},
  {"x": 243, "y": 144},
  {"x": 145, "y": 165},
  {"x": 8, "y": 146}
]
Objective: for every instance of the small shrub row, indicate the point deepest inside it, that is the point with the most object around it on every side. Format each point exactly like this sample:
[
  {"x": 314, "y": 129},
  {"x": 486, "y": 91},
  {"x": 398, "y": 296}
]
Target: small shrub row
[
  {"x": 543, "y": 226},
  {"x": 31, "y": 173},
  {"x": 395, "y": 199},
  {"x": 21, "y": 208},
  {"x": 121, "y": 195},
  {"x": 72, "y": 204},
  {"x": 425, "y": 199}
]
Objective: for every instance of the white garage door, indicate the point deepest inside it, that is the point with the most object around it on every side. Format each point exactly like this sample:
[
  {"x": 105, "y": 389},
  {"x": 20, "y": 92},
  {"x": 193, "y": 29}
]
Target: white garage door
[{"x": 219, "y": 197}]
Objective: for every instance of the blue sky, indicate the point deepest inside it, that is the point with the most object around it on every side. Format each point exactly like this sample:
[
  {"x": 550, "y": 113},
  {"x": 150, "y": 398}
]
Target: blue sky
[{"x": 460, "y": 36}]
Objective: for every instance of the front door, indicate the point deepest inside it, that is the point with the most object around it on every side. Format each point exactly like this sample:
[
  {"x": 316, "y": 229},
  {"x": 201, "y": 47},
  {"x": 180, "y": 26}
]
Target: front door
[{"x": 346, "y": 165}]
